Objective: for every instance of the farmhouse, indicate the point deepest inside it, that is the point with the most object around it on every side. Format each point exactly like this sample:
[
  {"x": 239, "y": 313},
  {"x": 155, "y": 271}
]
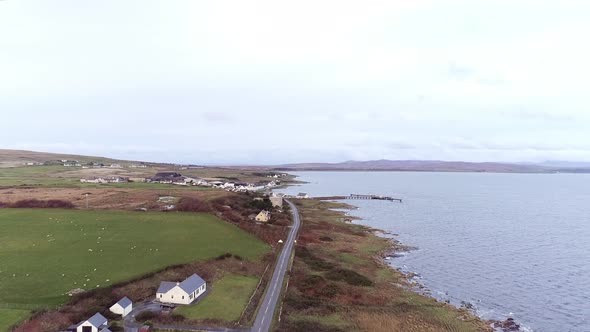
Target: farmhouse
[
  {"x": 123, "y": 307},
  {"x": 263, "y": 216},
  {"x": 96, "y": 323},
  {"x": 185, "y": 292},
  {"x": 302, "y": 195},
  {"x": 167, "y": 177}
]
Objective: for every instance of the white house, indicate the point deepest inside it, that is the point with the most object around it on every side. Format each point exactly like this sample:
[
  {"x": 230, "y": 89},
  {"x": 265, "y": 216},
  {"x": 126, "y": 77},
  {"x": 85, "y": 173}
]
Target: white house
[
  {"x": 123, "y": 307},
  {"x": 96, "y": 323},
  {"x": 181, "y": 292}
]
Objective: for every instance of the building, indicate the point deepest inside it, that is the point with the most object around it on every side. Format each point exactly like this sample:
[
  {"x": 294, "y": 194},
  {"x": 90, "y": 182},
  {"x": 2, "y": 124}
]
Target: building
[
  {"x": 263, "y": 216},
  {"x": 123, "y": 307},
  {"x": 277, "y": 201},
  {"x": 302, "y": 195},
  {"x": 112, "y": 179},
  {"x": 96, "y": 323},
  {"x": 185, "y": 292},
  {"x": 167, "y": 177}
]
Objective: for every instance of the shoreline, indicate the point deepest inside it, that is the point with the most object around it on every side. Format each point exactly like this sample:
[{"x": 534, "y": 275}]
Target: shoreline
[
  {"x": 393, "y": 252},
  {"x": 384, "y": 301}
]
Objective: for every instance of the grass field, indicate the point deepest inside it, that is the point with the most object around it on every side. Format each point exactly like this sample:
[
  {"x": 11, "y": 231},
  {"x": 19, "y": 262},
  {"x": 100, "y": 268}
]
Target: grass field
[
  {"x": 225, "y": 301},
  {"x": 46, "y": 253},
  {"x": 9, "y": 317}
]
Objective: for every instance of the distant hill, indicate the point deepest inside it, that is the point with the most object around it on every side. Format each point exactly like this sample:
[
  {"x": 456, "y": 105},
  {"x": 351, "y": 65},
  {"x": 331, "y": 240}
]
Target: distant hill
[
  {"x": 12, "y": 158},
  {"x": 429, "y": 166}
]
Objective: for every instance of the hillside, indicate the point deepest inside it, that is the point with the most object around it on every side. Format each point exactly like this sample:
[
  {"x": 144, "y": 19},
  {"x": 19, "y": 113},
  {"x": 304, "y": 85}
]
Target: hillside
[
  {"x": 13, "y": 158},
  {"x": 425, "y": 165}
]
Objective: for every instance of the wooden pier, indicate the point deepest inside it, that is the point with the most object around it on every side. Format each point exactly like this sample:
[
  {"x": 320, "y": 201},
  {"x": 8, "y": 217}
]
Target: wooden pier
[{"x": 379, "y": 197}]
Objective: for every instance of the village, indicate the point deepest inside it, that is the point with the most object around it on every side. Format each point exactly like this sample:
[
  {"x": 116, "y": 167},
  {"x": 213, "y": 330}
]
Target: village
[{"x": 178, "y": 179}]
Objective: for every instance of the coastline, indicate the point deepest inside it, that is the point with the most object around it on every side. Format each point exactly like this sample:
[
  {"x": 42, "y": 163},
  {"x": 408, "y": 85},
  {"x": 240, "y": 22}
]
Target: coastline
[
  {"x": 396, "y": 248},
  {"x": 341, "y": 281}
]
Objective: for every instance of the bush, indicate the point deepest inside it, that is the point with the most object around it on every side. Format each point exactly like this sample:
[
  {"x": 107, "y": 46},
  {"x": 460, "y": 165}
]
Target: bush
[
  {"x": 223, "y": 256},
  {"x": 190, "y": 204},
  {"x": 264, "y": 204},
  {"x": 304, "y": 325},
  {"x": 349, "y": 276},
  {"x": 326, "y": 239},
  {"x": 39, "y": 204},
  {"x": 145, "y": 317},
  {"x": 310, "y": 282},
  {"x": 310, "y": 259}
]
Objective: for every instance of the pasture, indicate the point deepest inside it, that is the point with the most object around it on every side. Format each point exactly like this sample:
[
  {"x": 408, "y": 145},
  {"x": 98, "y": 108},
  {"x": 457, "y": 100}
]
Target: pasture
[
  {"x": 225, "y": 301},
  {"x": 46, "y": 253}
]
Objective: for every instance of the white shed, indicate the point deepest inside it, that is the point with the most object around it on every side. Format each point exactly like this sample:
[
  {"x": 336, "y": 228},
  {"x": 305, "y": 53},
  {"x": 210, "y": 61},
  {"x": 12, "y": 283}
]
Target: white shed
[{"x": 123, "y": 307}]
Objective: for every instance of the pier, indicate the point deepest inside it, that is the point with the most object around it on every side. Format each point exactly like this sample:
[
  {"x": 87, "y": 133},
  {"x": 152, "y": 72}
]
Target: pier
[{"x": 379, "y": 197}]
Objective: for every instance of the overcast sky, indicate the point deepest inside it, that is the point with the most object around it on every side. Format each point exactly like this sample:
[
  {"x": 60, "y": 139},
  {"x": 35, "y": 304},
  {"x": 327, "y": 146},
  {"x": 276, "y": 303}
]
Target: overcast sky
[{"x": 254, "y": 82}]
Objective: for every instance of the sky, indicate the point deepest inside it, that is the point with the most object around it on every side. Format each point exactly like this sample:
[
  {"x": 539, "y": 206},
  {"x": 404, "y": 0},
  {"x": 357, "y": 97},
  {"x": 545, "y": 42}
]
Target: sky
[{"x": 270, "y": 82}]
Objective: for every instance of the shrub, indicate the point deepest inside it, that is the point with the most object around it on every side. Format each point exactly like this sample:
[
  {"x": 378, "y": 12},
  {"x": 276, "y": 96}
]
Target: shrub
[
  {"x": 39, "y": 204},
  {"x": 349, "y": 276},
  {"x": 190, "y": 204},
  {"x": 329, "y": 290},
  {"x": 310, "y": 259},
  {"x": 305, "y": 325},
  {"x": 310, "y": 282},
  {"x": 264, "y": 204},
  {"x": 145, "y": 316},
  {"x": 223, "y": 256},
  {"x": 326, "y": 238}
]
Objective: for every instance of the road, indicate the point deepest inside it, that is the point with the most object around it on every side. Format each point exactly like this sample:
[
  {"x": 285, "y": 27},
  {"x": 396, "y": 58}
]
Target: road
[
  {"x": 268, "y": 307},
  {"x": 271, "y": 298}
]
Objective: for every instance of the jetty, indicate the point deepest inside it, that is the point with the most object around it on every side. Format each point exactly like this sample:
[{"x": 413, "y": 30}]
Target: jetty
[
  {"x": 379, "y": 197},
  {"x": 357, "y": 196}
]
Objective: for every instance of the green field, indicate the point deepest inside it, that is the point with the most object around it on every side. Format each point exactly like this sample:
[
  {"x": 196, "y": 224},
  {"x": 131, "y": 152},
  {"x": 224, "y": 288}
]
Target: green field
[
  {"x": 226, "y": 299},
  {"x": 53, "y": 176},
  {"x": 9, "y": 317},
  {"x": 46, "y": 253}
]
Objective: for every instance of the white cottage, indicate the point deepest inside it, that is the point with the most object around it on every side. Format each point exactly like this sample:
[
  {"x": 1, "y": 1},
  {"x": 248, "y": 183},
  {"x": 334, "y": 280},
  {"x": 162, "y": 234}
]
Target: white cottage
[
  {"x": 96, "y": 323},
  {"x": 123, "y": 307},
  {"x": 185, "y": 292}
]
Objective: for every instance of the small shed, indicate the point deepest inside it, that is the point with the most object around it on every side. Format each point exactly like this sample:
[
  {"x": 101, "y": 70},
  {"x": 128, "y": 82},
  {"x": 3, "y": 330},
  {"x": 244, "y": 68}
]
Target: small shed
[{"x": 123, "y": 307}]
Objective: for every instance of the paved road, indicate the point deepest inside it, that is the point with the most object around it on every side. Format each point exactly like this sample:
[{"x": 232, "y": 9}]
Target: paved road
[{"x": 269, "y": 303}]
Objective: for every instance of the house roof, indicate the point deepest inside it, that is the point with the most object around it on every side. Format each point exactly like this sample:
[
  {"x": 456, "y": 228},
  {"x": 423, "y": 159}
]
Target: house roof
[
  {"x": 189, "y": 285},
  {"x": 97, "y": 320},
  {"x": 192, "y": 283},
  {"x": 106, "y": 329},
  {"x": 124, "y": 302},
  {"x": 165, "y": 286}
]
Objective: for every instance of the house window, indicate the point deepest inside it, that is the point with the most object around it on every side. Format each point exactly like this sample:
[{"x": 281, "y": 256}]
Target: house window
[
  {"x": 172, "y": 296},
  {"x": 160, "y": 295},
  {"x": 183, "y": 297}
]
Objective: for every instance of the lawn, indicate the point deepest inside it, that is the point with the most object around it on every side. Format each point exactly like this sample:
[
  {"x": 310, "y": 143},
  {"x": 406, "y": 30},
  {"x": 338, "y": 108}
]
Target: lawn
[
  {"x": 46, "y": 253},
  {"x": 9, "y": 317},
  {"x": 226, "y": 299}
]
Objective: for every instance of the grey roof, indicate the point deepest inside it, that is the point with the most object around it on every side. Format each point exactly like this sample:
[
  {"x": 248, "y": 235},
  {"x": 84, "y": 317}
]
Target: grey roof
[
  {"x": 97, "y": 320},
  {"x": 192, "y": 283},
  {"x": 124, "y": 302},
  {"x": 106, "y": 329},
  {"x": 165, "y": 286}
]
